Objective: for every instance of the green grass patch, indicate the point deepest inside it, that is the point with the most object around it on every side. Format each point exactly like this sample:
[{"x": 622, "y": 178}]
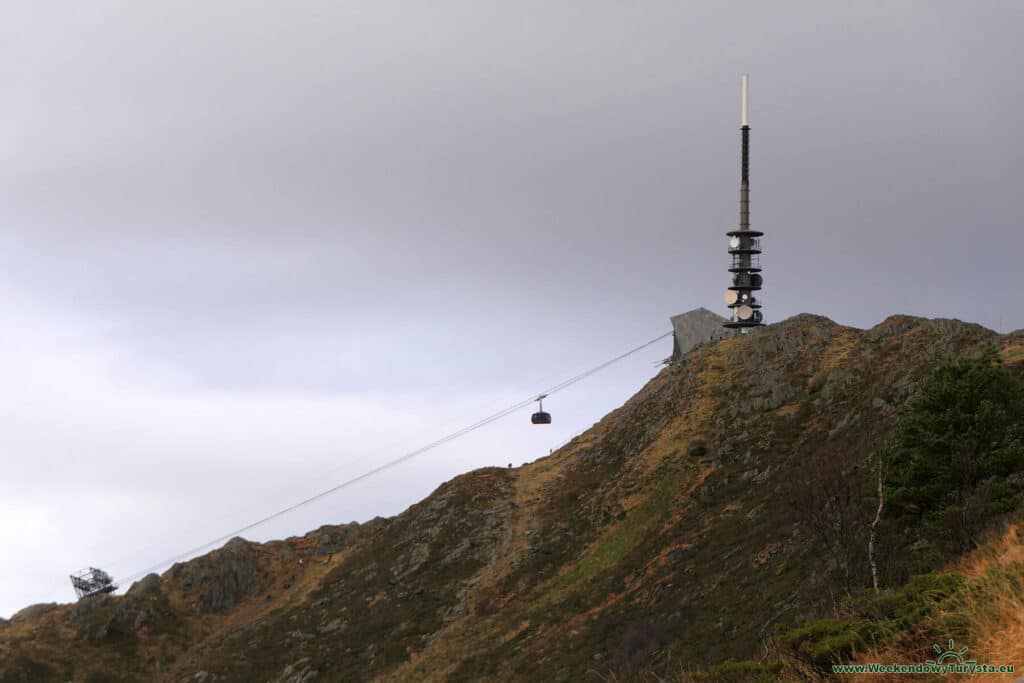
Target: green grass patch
[
  {"x": 745, "y": 671},
  {"x": 875, "y": 620},
  {"x": 640, "y": 521}
]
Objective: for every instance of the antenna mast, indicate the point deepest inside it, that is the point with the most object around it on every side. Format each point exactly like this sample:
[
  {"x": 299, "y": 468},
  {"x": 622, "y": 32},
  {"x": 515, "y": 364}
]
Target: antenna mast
[
  {"x": 744, "y": 244},
  {"x": 745, "y": 157}
]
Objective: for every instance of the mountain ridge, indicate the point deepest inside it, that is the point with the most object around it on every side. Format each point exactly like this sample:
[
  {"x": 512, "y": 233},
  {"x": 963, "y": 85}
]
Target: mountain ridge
[{"x": 633, "y": 540}]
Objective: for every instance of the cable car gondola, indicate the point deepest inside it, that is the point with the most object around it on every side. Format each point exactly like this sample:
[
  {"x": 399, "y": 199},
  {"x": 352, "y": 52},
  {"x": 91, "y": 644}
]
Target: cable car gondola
[{"x": 540, "y": 417}]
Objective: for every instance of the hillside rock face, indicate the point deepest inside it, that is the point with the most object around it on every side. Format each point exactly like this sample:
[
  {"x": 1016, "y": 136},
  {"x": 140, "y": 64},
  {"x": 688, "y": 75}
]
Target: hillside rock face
[
  {"x": 219, "y": 581},
  {"x": 672, "y": 525}
]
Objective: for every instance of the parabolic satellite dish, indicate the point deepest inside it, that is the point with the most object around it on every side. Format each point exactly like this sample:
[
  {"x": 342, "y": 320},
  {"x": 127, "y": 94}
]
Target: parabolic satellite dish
[
  {"x": 745, "y": 312},
  {"x": 756, "y": 280},
  {"x": 731, "y": 296},
  {"x": 734, "y": 242}
]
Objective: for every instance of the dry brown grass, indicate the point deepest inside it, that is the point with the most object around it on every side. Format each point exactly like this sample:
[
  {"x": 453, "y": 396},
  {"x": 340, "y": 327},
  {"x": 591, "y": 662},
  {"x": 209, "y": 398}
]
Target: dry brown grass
[
  {"x": 788, "y": 410},
  {"x": 992, "y": 611},
  {"x": 1005, "y": 550},
  {"x": 1012, "y": 353},
  {"x": 835, "y": 353},
  {"x": 996, "y": 614}
]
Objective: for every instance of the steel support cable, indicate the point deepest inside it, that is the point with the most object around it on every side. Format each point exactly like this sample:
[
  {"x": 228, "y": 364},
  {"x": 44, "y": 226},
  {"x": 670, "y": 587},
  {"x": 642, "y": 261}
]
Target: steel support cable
[{"x": 397, "y": 461}]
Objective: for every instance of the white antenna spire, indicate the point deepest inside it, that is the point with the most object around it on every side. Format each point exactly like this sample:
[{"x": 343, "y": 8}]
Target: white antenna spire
[{"x": 746, "y": 100}]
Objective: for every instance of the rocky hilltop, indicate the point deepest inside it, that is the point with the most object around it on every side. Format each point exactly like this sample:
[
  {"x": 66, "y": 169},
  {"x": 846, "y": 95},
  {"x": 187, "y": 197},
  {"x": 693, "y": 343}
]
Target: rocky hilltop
[{"x": 679, "y": 529}]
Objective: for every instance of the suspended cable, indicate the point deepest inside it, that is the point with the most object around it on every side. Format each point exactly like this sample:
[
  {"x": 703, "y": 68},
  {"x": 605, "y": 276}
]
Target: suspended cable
[{"x": 397, "y": 461}]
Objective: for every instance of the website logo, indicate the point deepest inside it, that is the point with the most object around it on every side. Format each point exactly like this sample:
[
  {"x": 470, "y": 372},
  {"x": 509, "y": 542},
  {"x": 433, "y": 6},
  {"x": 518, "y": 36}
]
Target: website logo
[
  {"x": 950, "y": 653},
  {"x": 950, "y": 661}
]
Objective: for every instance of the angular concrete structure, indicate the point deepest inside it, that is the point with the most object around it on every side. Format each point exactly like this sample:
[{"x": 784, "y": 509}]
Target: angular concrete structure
[{"x": 696, "y": 327}]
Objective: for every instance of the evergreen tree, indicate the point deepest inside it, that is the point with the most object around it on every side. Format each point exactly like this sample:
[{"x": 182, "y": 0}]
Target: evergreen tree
[{"x": 959, "y": 453}]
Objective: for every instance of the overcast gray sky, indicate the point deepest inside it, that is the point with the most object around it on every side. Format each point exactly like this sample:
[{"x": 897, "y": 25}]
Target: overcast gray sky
[{"x": 249, "y": 249}]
